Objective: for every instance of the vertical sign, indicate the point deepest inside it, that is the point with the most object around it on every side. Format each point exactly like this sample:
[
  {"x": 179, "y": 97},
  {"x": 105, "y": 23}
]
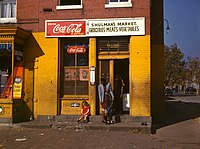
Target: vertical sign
[
  {"x": 17, "y": 86},
  {"x": 92, "y": 75}
]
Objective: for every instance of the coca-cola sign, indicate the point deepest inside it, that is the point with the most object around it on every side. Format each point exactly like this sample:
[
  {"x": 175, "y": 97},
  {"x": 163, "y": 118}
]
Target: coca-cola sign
[
  {"x": 76, "y": 49},
  {"x": 95, "y": 27},
  {"x": 65, "y": 28}
]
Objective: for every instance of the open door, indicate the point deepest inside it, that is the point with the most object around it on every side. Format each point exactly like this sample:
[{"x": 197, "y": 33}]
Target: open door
[{"x": 109, "y": 69}]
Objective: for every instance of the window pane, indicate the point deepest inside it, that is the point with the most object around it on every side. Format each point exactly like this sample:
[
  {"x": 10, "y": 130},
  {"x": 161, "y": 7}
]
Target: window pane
[
  {"x": 82, "y": 87},
  {"x": 8, "y": 9},
  {"x": 13, "y": 10},
  {"x": 4, "y": 11},
  {"x": 70, "y": 2},
  {"x": 118, "y": 0},
  {"x": 69, "y": 88},
  {"x": 5, "y": 69},
  {"x": 114, "y": 0},
  {"x": 82, "y": 58},
  {"x": 69, "y": 59},
  {"x": 76, "y": 81},
  {"x": 114, "y": 44}
]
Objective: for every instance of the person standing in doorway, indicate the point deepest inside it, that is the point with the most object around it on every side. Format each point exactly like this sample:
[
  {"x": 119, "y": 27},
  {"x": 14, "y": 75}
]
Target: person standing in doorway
[
  {"x": 106, "y": 98},
  {"x": 118, "y": 92}
]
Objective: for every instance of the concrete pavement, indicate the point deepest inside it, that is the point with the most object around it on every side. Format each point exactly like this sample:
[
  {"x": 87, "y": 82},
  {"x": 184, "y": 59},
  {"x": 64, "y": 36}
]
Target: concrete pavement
[{"x": 180, "y": 130}]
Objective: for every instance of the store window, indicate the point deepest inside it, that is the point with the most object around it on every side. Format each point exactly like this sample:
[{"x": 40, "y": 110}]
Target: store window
[
  {"x": 76, "y": 68},
  {"x": 8, "y": 10},
  {"x": 5, "y": 69},
  {"x": 70, "y": 4},
  {"x": 114, "y": 44},
  {"x": 118, "y": 3},
  {"x": 11, "y": 71}
]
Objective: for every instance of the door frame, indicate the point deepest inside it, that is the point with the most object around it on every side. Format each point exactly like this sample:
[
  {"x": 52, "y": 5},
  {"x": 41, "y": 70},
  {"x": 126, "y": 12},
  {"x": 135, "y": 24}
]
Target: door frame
[{"x": 112, "y": 69}]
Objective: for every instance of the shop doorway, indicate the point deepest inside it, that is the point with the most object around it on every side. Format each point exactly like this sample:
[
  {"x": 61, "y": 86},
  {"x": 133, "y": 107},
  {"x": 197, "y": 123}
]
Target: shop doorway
[
  {"x": 110, "y": 70},
  {"x": 121, "y": 85}
]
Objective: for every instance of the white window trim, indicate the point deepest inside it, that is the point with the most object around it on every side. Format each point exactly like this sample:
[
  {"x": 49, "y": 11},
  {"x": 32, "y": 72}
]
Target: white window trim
[
  {"x": 118, "y": 4},
  {"x": 8, "y": 20},
  {"x": 69, "y": 7}
]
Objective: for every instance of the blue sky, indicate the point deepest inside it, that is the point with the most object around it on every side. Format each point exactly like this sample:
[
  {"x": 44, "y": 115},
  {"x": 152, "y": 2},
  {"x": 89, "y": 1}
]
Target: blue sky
[{"x": 184, "y": 20}]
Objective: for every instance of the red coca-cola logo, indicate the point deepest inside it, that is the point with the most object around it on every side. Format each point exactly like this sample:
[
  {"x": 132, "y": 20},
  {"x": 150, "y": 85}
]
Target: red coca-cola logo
[
  {"x": 76, "y": 49},
  {"x": 68, "y": 28},
  {"x": 71, "y": 29}
]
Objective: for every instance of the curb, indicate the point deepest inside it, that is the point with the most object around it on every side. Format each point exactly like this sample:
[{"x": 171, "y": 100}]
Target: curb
[{"x": 129, "y": 127}]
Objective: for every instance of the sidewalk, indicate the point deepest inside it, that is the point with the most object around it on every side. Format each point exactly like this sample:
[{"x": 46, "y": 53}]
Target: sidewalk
[{"x": 126, "y": 123}]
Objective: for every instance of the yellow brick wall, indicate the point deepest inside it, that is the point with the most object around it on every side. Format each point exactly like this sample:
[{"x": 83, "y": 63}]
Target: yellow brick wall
[
  {"x": 7, "y": 108},
  {"x": 92, "y": 62},
  {"x": 68, "y": 110},
  {"x": 140, "y": 76},
  {"x": 45, "y": 75}
]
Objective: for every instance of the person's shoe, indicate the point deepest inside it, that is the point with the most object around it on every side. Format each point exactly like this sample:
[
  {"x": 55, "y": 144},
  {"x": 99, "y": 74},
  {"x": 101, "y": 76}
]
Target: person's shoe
[
  {"x": 108, "y": 122},
  {"x": 78, "y": 121},
  {"x": 103, "y": 121},
  {"x": 112, "y": 122}
]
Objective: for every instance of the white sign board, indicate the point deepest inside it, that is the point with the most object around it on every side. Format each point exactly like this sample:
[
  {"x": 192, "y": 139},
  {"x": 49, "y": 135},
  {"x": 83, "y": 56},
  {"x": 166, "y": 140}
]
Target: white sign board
[{"x": 116, "y": 27}]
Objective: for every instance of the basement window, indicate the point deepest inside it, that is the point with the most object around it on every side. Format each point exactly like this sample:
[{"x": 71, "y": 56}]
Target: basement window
[{"x": 69, "y": 4}]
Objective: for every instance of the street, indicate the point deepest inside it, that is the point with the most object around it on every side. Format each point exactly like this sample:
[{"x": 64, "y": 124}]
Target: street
[{"x": 181, "y": 130}]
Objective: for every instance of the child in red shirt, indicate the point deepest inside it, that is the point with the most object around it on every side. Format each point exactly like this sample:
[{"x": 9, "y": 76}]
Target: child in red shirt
[{"x": 85, "y": 112}]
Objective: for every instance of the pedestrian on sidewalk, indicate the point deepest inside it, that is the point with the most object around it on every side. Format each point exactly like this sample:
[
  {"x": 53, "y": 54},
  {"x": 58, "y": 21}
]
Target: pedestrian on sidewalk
[
  {"x": 85, "y": 112},
  {"x": 106, "y": 98}
]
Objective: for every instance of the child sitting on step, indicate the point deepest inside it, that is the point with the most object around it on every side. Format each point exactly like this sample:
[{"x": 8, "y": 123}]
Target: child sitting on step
[{"x": 85, "y": 112}]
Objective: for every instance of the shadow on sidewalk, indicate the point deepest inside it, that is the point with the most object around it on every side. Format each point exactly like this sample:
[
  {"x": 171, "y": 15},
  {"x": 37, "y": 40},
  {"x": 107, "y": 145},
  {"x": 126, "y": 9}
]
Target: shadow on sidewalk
[{"x": 178, "y": 111}]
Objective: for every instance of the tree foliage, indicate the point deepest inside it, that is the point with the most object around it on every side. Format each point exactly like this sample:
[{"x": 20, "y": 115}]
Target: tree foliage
[
  {"x": 193, "y": 70},
  {"x": 178, "y": 71},
  {"x": 174, "y": 65}
]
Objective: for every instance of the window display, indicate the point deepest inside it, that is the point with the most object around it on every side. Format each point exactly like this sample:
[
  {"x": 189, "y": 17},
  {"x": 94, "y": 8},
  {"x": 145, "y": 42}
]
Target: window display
[
  {"x": 5, "y": 69},
  {"x": 76, "y": 67}
]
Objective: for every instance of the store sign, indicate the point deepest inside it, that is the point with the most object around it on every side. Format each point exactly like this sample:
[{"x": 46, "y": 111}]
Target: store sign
[
  {"x": 17, "y": 88},
  {"x": 75, "y": 104},
  {"x": 95, "y": 27},
  {"x": 64, "y": 28},
  {"x": 116, "y": 27},
  {"x": 76, "y": 49}
]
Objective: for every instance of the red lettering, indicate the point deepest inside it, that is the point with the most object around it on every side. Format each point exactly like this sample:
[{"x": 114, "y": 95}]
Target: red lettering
[
  {"x": 76, "y": 49},
  {"x": 71, "y": 29}
]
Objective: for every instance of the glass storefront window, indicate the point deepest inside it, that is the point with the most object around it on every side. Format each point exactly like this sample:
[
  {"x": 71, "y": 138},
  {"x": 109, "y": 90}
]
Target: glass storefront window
[
  {"x": 6, "y": 72},
  {"x": 76, "y": 67},
  {"x": 5, "y": 69},
  {"x": 114, "y": 44}
]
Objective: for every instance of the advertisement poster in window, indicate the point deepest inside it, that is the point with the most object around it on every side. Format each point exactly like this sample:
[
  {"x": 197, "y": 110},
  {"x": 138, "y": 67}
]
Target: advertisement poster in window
[
  {"x": 68, "y": 75},
  {"x": 75, "y": 74},
  {"x": 84, "y": 75},
  {"x": 71, "y": 74}
]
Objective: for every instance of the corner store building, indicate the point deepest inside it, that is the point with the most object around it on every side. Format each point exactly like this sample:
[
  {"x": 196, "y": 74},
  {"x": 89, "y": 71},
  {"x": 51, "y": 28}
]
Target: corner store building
[{"x": 52, "y": 80}]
